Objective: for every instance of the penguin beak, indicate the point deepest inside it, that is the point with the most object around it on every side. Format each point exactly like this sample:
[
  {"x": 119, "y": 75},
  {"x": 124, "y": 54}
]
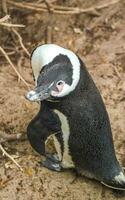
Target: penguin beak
[{"x": 40, "y": 93}]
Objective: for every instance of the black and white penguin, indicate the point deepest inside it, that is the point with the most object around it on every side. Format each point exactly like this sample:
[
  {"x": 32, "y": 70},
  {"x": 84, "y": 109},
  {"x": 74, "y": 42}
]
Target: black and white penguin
[{"x": 73, "y": 112}]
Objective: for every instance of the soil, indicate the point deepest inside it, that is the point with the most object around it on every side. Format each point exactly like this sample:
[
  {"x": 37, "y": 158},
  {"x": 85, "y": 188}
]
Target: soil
[{"x": 99, "y": 39}]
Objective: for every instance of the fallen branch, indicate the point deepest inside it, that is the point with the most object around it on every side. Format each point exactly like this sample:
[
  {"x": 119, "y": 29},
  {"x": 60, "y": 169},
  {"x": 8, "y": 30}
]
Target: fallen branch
[
  {"x": 4, "y": 137},
  {"x": 5, "y": 18},
  {"x": 15, "y": 31},
  {"x": 21, "y": 41},
  {"x": 48, "y": 5},
  {"x": 10, "y": 157},
  {"x": 27, "y": 6},
  {"x": 12, "y": 25},
  {"x": 49, "y": 1},
  {"x": 12, "y": 65},
  {"x": 60, "y": 9}
]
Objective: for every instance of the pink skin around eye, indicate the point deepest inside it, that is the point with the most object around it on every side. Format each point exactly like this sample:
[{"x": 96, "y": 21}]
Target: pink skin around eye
[{"x": 59, "y": 87}]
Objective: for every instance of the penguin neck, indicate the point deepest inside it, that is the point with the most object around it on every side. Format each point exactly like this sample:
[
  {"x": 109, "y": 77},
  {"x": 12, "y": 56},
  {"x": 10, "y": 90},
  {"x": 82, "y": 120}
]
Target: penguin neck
[{"x": 84, "y": 82}]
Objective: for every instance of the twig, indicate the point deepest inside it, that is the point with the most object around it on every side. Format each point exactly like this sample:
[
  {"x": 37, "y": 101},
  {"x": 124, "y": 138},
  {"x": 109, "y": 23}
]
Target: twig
[
  {"x": 19, "y": 64},
  {"x": 77, "y": 9},
  {"x": 49, "y": 7},
  {"x": 4, "y": 6},
  {"x": 49, "y": 35},
  {"x": 60, "y": 9},
  {"x": 49, "y": 1},
  {"x": 8, "y": 137},
  {"x": 26, "y": 6},
  {"x": 3, "y": 183},
  {"x": 21, "y": 41},
  {"x": 10, "y": 157},
  {"x": 12, "y": 65},
  {"x": 15, "y": 31},
  {"x": 5, "y": 18},
  {"x": 12, "y": 25},
  {"x": 117, "y": 72},
  {"x": 74, "y": 179},
  {"x": 10, "y": 53}
]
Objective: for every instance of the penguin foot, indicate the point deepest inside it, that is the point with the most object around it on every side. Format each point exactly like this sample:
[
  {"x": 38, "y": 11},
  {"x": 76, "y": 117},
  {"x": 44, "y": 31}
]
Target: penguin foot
[
  {"x": 54, "y": 166},
  {"x": 53, "y": 157}
]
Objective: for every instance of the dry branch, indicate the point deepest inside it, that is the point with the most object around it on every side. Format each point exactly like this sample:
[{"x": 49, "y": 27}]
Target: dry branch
[
  {"x": 5, "y": 18},
  {"x": 49, "y": 1},
  {"x": 8, "y": 137},
  {"x": 10, "y": 157},
  {"x": 59, "y": 9},
  {"x": 21, "y": 41},
  {"x": 14, "y": 68},
  {"x": 49, "y": 6},
  {"x": 15, "y": 31},
  {"x": 12, "y": 25}
]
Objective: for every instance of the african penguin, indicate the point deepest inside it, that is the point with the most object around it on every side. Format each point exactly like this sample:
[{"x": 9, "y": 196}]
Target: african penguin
[{"x": 73, "y": 112}]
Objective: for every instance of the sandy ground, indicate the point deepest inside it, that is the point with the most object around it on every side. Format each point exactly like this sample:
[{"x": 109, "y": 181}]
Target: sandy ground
[{"x": 100, "y": 42}]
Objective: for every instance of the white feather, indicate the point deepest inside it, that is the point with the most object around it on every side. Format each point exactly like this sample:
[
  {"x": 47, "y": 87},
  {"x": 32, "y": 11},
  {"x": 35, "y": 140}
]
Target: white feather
[
  {"x": 66, "y": 158},
  {"x": 58, "y": 147}
]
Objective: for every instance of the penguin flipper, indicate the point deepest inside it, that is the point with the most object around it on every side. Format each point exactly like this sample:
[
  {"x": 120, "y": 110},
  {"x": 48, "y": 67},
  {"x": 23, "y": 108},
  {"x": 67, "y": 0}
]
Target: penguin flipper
[{"x": 118, "y": 183}]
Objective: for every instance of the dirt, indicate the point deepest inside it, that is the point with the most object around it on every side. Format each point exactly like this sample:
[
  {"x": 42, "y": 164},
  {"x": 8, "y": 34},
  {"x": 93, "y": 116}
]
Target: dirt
[{"x": 100, "y": 42}]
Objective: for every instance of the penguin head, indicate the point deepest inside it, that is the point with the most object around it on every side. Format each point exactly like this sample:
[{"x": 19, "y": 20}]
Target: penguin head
[{"x": 56, "y": 71}]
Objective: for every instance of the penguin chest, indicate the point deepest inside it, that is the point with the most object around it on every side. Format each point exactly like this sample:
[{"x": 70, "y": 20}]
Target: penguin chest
[{"x": 65, "y": 156}]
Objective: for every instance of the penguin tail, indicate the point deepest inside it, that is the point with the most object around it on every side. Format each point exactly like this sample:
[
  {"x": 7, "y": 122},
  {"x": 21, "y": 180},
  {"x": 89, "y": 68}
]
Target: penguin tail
[{"x": 117, "y": 183}]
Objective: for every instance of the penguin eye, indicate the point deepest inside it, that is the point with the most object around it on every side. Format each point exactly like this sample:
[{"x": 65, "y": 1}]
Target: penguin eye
[{"x": 60, "y": 83}]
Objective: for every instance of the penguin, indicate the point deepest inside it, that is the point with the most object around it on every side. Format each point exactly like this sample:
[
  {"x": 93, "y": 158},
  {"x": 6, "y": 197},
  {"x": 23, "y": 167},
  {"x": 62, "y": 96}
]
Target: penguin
[{"x": 73, "y": 112}]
